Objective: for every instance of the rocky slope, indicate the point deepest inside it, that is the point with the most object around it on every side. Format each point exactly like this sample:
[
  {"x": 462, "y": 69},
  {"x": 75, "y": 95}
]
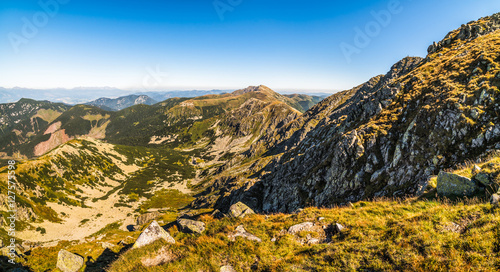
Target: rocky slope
[
  {"x": 20, "y": 122},
  {"x": 388, "y": 136}
]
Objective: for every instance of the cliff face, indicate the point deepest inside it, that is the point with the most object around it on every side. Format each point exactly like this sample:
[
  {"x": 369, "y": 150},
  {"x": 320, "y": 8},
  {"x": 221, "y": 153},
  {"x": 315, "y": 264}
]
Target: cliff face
[{"x": 388, "y": 136}]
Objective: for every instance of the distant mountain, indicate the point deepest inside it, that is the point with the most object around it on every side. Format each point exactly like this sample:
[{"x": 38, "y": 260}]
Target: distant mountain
[
  {"x": 68, "y": 96},
  {"x": 160, "y": 96},
  {"x": 121, "y": 103}
]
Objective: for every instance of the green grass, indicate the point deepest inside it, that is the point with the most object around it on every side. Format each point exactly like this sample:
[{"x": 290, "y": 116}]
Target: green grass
[{"x": 167, "y": 198}]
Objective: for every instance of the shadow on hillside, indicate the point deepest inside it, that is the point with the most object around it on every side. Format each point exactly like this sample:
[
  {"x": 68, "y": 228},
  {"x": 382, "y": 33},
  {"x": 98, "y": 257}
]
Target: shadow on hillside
[
  {"x": 6, "y": 266},
  {"x": 104, "y": 260}
]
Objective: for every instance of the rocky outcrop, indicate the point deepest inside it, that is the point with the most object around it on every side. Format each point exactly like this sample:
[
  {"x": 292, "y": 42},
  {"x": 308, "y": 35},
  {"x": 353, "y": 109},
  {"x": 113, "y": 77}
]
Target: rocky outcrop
[
  {"x": 190, "y": 226},
  {"x": 468, "y": 32},
  {"x": 152, "y": 233},
  {"x": 69, "y": 262}
]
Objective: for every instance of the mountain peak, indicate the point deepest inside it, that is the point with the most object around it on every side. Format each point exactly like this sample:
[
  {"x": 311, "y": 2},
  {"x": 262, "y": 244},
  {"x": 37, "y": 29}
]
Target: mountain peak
[{"x": 260, "y": 88}]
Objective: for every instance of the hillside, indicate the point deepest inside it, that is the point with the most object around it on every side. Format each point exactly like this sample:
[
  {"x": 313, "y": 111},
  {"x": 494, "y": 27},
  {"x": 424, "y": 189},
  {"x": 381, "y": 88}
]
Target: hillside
[{"x": 20, "y": 122}]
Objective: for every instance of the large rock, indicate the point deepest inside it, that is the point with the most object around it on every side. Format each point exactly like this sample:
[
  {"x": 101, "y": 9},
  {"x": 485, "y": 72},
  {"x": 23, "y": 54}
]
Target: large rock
[
  {"x": 451, "y": 184},
  {"x": 145, "y": 218},
  {"x": 241, "y": 232},
  {"x": 152, "y": 233},
  {"x": 69, "y": 262},
  {"x": 239, "y": 210},
  {"x": 190, "y": 226}
]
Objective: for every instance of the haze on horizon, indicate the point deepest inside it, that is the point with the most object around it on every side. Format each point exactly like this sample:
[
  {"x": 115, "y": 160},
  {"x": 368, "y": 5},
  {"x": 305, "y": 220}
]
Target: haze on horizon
[{"x": 223, "y": 44}]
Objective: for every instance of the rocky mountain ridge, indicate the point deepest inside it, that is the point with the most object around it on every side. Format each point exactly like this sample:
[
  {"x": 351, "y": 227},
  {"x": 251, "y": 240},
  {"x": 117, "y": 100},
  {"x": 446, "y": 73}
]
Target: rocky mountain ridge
[{"x": 386, "y": 137}]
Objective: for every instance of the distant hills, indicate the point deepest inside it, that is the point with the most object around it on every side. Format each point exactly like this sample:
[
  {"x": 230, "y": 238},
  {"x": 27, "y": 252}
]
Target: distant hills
[{"x": 121, "y": 103}]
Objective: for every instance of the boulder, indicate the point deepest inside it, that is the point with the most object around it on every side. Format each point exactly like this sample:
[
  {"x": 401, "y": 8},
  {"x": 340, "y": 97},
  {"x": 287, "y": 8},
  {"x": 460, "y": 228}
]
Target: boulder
[
  {"x": 145, "y": 218},
  {"x": 495, "y": 199},
  {"x": 152, "y": 233},
  {"x": 241, "y": 232},
  {"x": 69, "y": 262},
  {"x": 306, "y": 226},
  {"x": 239, "y": 210},
  {"x": 190, "y": 226},
  {"x": 449, "y": 184}
]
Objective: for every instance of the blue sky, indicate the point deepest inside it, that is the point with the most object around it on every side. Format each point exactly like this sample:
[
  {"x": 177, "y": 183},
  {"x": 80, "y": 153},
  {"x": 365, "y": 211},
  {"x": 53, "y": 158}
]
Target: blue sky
[{"x": 225, "y": 44}]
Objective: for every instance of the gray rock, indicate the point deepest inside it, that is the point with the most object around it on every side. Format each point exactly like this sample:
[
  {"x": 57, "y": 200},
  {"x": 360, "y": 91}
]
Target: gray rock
[
  {"x": 241, "y": 232},
  {"x": 190, "y": 226},
  {"x": 449, "y": 184},
  {"x": 495, "y": 199},
  {"x": 145, "y": 218},
  {"x": 239, "y": 210},
  {"x": 152, "y": 233},
  {"x": 69, "y": 262}
]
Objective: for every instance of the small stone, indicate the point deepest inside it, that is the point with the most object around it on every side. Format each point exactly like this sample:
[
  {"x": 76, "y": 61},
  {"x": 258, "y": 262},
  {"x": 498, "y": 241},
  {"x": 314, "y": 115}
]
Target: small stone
[
  {"x": 190, "y": 226},
  {"x": 69, "y": 262},
  {"x": 152, "y": 233},
  {"x": 227, "y": 268},
  {"x": 475, "y": 170},
  {"x": 338, "y": 227},
  {"x": 495, "y": 199}
]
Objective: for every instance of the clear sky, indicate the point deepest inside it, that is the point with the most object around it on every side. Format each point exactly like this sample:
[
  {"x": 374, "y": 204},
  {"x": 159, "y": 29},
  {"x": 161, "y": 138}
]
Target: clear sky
[{"x": 225, "y": 44}]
